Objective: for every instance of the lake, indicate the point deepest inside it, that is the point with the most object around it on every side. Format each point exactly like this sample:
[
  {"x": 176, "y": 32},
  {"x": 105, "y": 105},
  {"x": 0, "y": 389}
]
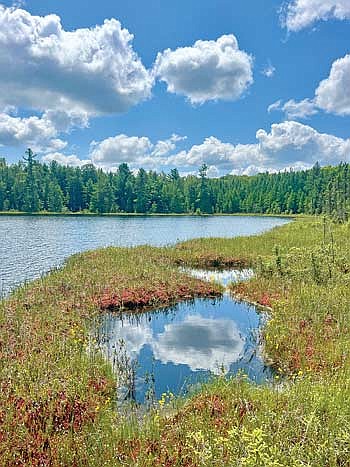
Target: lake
[{"x": 32, "y": 245}]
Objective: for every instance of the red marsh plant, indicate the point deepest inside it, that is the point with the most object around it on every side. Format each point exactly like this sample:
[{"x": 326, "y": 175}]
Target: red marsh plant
[{"x": 162, "y": 295}]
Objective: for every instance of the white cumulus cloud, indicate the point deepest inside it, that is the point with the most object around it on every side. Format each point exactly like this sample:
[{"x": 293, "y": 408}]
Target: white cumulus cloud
[
  {"x": 41, "y": 133},
  {"x": 295, "y": 109},
  {"x": 333, "y": 93},
  {"x": 15, "y": 131},
  {"x": 63, "y": 159},
  {"x": 86, "y": 70},
  {"x": 134, "y": 150},
  {"x": 209, "y": 70},
  {"x": 215, "y": 153},
  {"x": 38, "y": 132},
  {"x": 288, "y": 145},
  {"x": 291, "y": 143},
  {"x": 163, "y": 148},
  {"x": 299, "y": 14},
  {"x": 121, "y": 148}
]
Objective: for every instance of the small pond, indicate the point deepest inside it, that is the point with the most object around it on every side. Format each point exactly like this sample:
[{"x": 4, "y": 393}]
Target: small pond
[{"x": 169, "y": 350}]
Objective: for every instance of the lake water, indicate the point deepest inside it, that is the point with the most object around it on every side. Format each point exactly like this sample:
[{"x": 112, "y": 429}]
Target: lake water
[{"x": 32, "y": 245}]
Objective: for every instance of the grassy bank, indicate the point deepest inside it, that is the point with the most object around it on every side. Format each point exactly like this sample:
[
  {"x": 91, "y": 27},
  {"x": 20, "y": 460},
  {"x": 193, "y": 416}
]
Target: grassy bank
[{"x": 57, "y": 398}]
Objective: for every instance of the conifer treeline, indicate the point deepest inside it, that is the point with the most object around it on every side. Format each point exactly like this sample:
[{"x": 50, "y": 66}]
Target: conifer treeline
[{"x": 30, "y": 186}]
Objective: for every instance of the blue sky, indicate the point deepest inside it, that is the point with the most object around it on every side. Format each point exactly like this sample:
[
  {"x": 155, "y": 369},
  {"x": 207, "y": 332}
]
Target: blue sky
[{"x": 76, "y": 96}]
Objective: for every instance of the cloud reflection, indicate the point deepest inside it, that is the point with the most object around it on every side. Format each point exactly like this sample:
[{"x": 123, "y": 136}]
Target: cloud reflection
[
  {"x": 200, "y": 343},
  {"x": 134, "y": 335},
  {"x": 224, "y": 277}
]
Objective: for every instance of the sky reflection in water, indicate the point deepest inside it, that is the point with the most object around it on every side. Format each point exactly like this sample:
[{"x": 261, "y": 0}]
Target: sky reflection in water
[{"x": 187, "y": 344}]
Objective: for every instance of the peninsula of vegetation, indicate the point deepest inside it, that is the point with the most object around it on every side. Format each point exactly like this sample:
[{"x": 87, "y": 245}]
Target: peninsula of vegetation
[{"x": 57, "y": 403}]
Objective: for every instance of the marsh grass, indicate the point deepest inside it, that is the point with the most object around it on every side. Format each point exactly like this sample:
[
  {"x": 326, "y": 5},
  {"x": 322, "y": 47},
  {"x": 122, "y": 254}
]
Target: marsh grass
[
  {"x": 55, "y": 393},
  {"x": 58, "y": 400}
]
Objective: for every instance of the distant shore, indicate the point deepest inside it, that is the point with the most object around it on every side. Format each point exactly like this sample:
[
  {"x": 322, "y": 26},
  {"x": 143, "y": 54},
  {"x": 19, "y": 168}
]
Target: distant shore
[{"x": 135, "y": 214}]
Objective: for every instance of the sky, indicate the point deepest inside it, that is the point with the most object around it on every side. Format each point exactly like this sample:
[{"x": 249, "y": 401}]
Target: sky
[{"x": 243, "y": 86}]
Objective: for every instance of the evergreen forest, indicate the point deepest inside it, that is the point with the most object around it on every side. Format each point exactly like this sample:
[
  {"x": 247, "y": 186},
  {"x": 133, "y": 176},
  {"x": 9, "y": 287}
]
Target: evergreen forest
[{"x": 31, "y": 186}]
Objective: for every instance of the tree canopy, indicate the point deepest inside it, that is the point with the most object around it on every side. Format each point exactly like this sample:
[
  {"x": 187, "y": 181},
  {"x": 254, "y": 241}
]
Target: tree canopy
[{"x": 30, "y": 186}]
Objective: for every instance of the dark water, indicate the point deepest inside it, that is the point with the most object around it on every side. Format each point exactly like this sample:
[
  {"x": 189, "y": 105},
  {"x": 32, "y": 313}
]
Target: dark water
[
  {"x": 30, "y": 246},
  {"x": 170, "y": 350}
]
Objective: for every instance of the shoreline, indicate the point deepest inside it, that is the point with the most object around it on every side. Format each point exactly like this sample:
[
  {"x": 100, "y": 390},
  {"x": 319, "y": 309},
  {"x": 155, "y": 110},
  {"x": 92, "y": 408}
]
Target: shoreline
[{"x": 83, "y": 214}]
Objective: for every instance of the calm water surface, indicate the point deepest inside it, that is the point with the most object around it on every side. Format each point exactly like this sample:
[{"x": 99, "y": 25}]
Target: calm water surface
[
  {"x": 170, "y": 350},
  {"x": 31, "y": 246}
]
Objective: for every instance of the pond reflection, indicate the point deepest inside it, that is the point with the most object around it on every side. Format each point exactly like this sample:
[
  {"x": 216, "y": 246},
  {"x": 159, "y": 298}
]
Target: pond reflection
[
  {"x": 170, "y": 349},
  {"x": 200, "y": 343},
  {"x": 224, "y": 277}
]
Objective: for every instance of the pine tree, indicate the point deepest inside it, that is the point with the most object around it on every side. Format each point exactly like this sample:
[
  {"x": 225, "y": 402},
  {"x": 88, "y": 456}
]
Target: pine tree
[
  {"x": 204, "y": 202},
  {"x": 141, "y": 202},
  {"x": 54, "y": 198},
  {"x": 102, "y": 199},
  {"x": 31, "y": 200}
]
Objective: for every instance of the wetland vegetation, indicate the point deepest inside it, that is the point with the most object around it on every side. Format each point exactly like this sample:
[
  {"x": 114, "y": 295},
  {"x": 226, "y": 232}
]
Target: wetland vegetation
[{"x": 58, "y": 403}]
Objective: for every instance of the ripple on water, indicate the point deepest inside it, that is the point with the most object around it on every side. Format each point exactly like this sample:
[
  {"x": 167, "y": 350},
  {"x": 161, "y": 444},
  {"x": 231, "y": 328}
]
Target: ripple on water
[{"x": 32, "y": 245}]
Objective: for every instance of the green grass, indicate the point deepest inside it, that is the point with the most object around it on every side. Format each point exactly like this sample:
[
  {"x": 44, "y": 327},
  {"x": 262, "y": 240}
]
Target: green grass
[{"x": 57, "y": 403}]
